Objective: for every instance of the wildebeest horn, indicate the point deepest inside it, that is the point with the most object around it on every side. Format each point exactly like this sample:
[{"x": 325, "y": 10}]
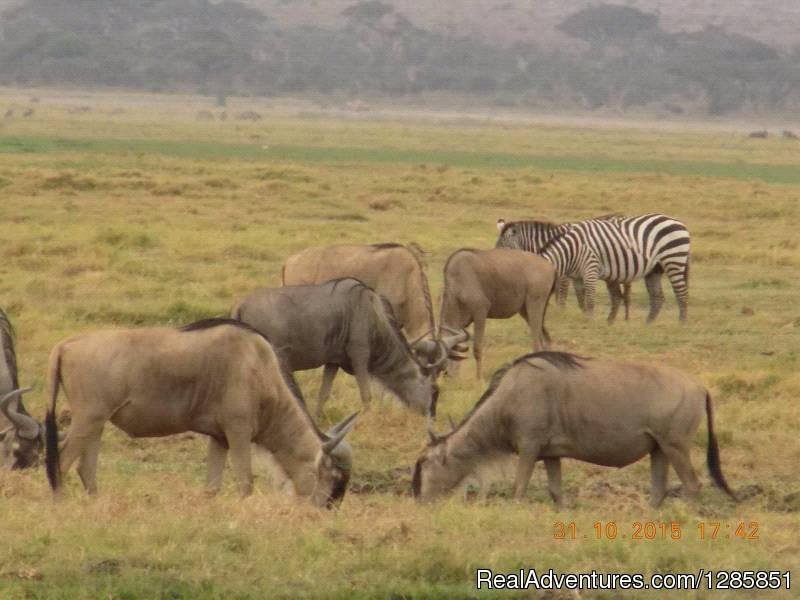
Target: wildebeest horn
[
  {"x": 452, "y": 423},
  {"x": 417, "y": 340},
  {"x": 337, "y": 433},
  {"x": 500, "y": 224},
  {"x": 27, "y": 427},
  {"x": 451, "y": 341}
]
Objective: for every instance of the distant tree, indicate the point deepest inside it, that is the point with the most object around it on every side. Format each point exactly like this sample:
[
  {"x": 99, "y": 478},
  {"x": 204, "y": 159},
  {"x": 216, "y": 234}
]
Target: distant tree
[
  {"x": 608, "y": 23},
  {"x": 367, "y": 11}
]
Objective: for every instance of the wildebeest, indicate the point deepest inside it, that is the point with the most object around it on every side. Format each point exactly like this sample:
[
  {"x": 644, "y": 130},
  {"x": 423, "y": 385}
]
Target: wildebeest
[
  {"x": 21, "y": 436},
  {"x": 217, "y": 377},
  {"x": 552, "y": 405},
  {"x": 395, "y": 271},
  {"x": 343, "y": 323},
  {"x": 495, "y": 284}
]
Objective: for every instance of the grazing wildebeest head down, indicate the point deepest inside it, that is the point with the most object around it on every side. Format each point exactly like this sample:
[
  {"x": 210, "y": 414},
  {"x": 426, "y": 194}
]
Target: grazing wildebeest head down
[
  {"x": 394, "y": 271},
  {"x": 217, "y": 377},
  {"x": 21, "y": 436},
  {"x": 552, "y": 405},
  {"x": 495, "y": 284},
  {"x": 343, "y": 323}
]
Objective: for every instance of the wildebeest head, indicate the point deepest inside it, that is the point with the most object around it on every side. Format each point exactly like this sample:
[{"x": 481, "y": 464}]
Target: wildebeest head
[
  {"x": 432, "y": 477},
  {"x": 333, "y": 464},
  {"x": 433, "y": 355},
  {"x": 22, "y": 442}
]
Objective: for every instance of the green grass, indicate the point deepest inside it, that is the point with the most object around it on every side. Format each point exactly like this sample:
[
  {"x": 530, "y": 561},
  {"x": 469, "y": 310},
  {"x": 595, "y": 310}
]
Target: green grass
[
  {"x": 203, "y": 151},
  {"x": 156, "y": 218}
]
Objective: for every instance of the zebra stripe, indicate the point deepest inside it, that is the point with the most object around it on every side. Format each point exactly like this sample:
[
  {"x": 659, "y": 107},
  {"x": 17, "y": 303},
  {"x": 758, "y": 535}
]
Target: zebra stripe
[{"x": 615, "y": 249}]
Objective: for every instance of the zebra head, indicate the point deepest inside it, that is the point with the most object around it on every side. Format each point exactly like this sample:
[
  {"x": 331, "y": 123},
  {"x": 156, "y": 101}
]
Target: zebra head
[{"x": 510, "y": 235}]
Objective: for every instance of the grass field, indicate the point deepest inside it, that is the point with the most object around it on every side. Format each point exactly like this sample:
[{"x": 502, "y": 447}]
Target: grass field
[{"x": 150, "y": 216}]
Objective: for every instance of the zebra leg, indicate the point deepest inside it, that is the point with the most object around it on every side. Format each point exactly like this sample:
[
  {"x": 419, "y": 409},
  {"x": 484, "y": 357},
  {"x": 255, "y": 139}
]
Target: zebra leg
[
  {"x": 579, "y": 292},
  {"x": 653, "y": 282},
  {"x": 589, "y": 283},
  {"x": 680, "y": 286},
  {"x": 616, "y": 298},
  {"x": 562, "y": 290}
]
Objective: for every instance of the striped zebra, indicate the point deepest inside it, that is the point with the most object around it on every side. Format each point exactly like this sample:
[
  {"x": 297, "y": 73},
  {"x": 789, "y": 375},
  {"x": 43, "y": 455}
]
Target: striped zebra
[{"x": 616, "y": 249}]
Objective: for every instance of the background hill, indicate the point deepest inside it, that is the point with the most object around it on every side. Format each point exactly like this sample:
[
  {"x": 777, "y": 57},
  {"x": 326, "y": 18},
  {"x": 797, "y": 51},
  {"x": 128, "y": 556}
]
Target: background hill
[
  {"x": 511, "y": 21},
  {"x": 553, "y": 55}
]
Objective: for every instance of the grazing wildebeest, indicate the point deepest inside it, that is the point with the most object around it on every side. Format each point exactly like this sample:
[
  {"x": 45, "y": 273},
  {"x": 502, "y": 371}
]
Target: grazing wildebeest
[
  {"x": 21, "y": 436},
  {"x": 495, "y": 284},
  {"x": 552, "y": 405},
  {"x": 343, "y": 323},
  {"x": 395, "y": 271},
  {"x": 217, "y": 377}
]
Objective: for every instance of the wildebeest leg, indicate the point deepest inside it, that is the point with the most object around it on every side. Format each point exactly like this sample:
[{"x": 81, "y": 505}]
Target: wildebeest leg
[
  {"x": 527, "y": 460},
  {"x": 577, "y": 283},
  {"x": 80, "y": 435},
  {"x": 553, "y": 466},
  {"x": 533, "y": 313},
  {"x": 217, "y": 453},
  {"x": 653, "y": 283},
  {"x": 328, "y": 374},
  {"x": 659, "y": 472},
  {"x": 679, "y": 457},
  {"x": 616, "y": 298},
  {"x": 87, "y": 462},
  {"x": 477, "y": 343},
  {"x": 239, "y": 444}
]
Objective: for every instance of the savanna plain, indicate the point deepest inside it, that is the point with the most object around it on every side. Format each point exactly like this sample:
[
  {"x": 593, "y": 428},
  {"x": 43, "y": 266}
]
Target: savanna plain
[{"x": 144, "y": 214}]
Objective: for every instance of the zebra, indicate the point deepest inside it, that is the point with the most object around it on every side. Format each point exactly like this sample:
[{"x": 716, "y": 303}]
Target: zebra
[
  {"x": 539, "y": 236},
  {"x": 617, "y": 250}
]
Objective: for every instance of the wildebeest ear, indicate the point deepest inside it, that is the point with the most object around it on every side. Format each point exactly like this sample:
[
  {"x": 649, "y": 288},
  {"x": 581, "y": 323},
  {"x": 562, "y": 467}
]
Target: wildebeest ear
[{"x": 500, "y": 224}]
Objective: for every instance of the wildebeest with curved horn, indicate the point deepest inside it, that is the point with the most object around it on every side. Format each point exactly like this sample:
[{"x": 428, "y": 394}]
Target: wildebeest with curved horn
[
  {"x": 394, "y": 271},
  {"x": 495, "y": 284},
  {"x": 344, "y": 323},
  {"x": 217, "y": 377},
  {"x": 21, "y": 436},
  {"x": 552, "y": 405}
]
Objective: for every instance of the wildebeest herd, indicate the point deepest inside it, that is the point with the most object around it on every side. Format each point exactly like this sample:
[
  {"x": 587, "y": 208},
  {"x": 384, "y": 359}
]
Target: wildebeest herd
[{"x": 367, "y": 309}]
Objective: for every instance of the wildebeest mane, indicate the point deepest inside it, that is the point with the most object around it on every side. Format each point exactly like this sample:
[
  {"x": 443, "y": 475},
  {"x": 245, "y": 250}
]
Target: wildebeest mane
[
  {"x": 386, "y": 245},
  {"x": 7, "y": 342},
  {"x": 560, "y": 360}
]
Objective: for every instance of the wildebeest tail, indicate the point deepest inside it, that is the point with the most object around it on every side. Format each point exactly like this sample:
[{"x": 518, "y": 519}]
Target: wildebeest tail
[
  {"x": 714, "y": 464},
  {"x": 50, "y": 425}
]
